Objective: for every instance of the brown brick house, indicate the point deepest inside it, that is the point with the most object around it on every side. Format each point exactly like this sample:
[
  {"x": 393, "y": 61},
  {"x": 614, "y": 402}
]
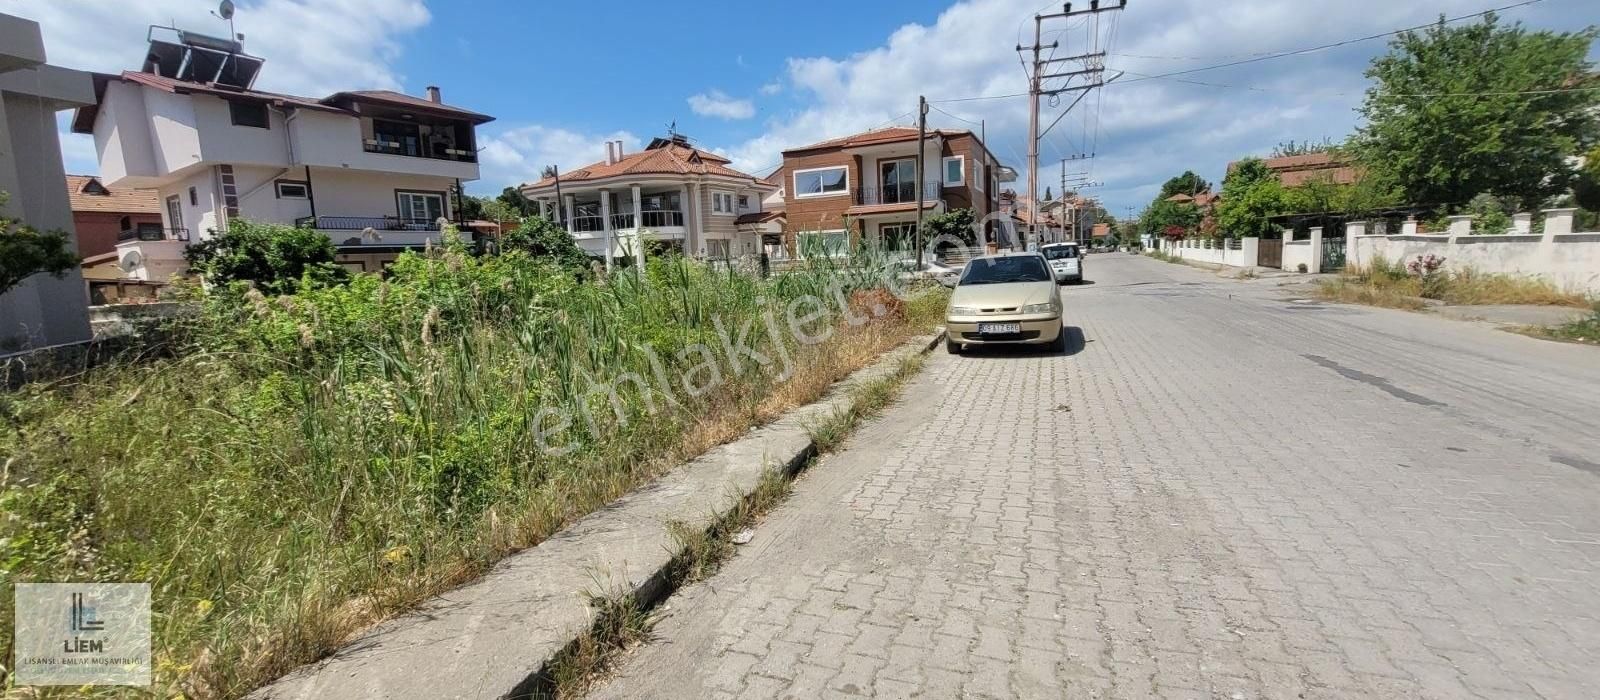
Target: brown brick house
[
  {"x": 866, "y": 185},
  {"x": 101, "y": 214}
]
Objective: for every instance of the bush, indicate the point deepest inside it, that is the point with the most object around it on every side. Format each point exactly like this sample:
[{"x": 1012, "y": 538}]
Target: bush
[
  {"x": 318, "y": 460},
  {"x": 542, "y": 239},
  {"x": 274, "y": 258}
]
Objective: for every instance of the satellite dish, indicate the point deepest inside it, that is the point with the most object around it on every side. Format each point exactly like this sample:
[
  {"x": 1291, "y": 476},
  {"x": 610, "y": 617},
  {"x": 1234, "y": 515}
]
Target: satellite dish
[{"x": 225, "y": 10}]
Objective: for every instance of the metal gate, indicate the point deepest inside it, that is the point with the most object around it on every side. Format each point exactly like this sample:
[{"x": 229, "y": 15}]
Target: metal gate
[
  {"x": 1269, "y": 253},
  {"x": 1332, "y": 254}
]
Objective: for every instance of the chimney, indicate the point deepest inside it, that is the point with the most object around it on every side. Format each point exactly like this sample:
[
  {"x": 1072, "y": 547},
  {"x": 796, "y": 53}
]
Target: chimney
[
  {"x": 619, "y": 149},
  {"x": 611, "y": 153},
  {"x": 433, "y": 94}
]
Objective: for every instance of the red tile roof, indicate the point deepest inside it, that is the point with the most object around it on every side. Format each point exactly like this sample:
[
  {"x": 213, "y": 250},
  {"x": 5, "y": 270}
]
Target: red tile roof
[
  {"x": 759, "y": 217},
  {"x": 878, "y": 136},
  {"x": 670, "y": 159},
  {"x": 85, "y": 196}
]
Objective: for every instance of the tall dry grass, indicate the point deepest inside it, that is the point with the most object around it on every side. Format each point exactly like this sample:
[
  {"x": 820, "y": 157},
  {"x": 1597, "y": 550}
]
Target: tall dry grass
[
  {"x": 1390, "y": 284},
  {"x": 314, "y": 463}
]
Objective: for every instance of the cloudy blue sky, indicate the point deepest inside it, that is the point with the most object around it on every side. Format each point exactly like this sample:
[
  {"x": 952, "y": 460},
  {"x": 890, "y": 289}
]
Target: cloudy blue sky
[{"x": 749, "y": 79}]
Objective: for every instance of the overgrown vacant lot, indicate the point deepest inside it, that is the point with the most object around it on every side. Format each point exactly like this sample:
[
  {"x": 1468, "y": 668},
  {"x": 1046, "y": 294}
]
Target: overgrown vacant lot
[
  {"x": 308, "y": 464},
  {"x": 1390, "y": 284}
]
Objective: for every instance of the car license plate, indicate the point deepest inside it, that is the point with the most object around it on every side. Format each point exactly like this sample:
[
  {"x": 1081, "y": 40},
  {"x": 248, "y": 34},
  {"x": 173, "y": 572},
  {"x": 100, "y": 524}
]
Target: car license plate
[{"x": 999, "y": 328}]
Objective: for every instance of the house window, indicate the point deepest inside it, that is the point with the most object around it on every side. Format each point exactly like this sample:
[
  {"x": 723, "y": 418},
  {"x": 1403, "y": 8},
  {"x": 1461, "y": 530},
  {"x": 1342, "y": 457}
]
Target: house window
[
  {"x": 953, "y": 166},
  {"x": 822, "y": 244},
  {"x": 397, "y": 138},
  {"x": 717, "y": 248},
  {"x": 722, "y": 202},
  {"x": 293, "y": 189},
  {"x": 821, "y": 182},
  {"x": 194, "y": 197},
  {"x": 744, "y": 202},
  {"x": 900, "y": 236},
  {"x": 252, "y": 114},
  {"x": 420, "y": 208}
]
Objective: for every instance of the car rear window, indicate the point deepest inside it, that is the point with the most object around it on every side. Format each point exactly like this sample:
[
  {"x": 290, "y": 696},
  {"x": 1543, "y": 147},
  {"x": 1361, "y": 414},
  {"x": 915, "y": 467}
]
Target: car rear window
[
  {"x": 1018, "y": 268},
  {"x": 1060, "y": 251}
]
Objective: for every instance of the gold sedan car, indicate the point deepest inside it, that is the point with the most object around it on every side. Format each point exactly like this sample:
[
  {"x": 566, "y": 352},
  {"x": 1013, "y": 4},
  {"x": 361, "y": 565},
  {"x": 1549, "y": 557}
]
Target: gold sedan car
[{"x": 1009, "y": 298}]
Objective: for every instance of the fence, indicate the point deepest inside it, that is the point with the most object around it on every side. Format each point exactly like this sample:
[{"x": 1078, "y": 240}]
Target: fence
[
  {"x": 1236, "y": 252},
  {"x": 1566, "y": 259}
]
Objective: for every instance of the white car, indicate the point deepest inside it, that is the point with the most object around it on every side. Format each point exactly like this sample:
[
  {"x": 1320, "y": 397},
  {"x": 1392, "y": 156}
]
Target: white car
[{"x": 1066, "y": 260}]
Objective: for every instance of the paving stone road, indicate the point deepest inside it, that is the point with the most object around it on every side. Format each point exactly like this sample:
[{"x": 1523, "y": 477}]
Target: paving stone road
[{"x": 1217, "y": 492}]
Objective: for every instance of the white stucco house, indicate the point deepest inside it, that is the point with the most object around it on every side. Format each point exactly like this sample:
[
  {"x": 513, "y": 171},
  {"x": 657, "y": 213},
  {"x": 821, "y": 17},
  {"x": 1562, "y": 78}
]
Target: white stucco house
[
  {"x": 670, "y": 192},
  {"x": 372, "y": 169}
]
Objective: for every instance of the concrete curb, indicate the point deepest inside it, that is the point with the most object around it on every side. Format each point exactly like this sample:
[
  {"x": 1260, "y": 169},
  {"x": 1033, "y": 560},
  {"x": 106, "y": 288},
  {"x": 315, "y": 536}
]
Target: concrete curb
[{"x": 493, "y": 637}]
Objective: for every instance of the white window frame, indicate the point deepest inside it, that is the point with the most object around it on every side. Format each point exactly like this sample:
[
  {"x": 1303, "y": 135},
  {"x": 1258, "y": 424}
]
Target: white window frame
[
  {"x": 944, "y": 171},
  {"x": 843, "y": 251},
  {"x": 981, "y": 175},
  {"x": 800, "y": 195},
  {"x": 721, "y": 202},
  {"x": 305, "y": 189},
  {"x": 742, "y": 202}
]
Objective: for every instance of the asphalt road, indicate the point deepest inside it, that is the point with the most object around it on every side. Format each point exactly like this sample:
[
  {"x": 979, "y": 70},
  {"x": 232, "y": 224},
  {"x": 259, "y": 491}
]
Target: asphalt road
[{"x": 1216, "y": 492}]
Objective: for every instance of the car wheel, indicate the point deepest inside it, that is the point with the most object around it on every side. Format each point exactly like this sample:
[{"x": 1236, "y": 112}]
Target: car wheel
[{"x": 951, "y": 346}]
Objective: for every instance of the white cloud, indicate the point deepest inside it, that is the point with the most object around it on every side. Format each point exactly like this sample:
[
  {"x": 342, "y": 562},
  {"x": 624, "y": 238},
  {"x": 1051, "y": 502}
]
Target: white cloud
[
  {"x": 772, "y": 88},
  {"x": 520, "y": 154},
  {"x": 718, "y": 104},
  {"x": 1147, "y": 130},
  {"x": 312, "y": 47}
]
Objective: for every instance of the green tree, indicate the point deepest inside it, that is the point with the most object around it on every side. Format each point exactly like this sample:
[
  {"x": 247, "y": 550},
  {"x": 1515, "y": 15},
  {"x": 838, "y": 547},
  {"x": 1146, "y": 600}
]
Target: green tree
[
  {"x": 542, "y": 239},
  {"x": 956, "y": 222},
  {"x": 1162, "y": 215},
  {"x": 1251, "y": 196},
  {"x": 1458, "y": 111},
  {"x": 1586, "y": 189},
  {"x": 512, "y": 198},
  {"x": 278, "y": 259},
  {"x": 25, "y": 251},
  {"x": 1187, "y": 183},
  {"x": 1300, "y": 148}
]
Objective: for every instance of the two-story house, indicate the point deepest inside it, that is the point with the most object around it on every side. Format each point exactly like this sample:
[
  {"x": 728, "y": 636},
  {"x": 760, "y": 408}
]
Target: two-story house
[
  {"x": 865, "y": 186},
  {"x": 671, "y": 192},
  {"x": 373, "y": 169}
]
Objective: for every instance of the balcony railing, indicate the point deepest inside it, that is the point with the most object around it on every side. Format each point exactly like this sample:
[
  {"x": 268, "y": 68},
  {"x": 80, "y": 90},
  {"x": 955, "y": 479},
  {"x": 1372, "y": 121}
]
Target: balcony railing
[
  {"x": 358, "y": 223},
  {"x": 154, "y": 234},
  {"x": 897, "y": 193},
  {"x": 395, "y": 148},
  {"x": 624, "y": 221}
]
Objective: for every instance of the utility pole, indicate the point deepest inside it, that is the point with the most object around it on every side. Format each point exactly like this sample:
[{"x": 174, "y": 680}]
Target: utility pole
[
  {"x": 922, "y": 135},
  {"x": 1093, "y": 73}
]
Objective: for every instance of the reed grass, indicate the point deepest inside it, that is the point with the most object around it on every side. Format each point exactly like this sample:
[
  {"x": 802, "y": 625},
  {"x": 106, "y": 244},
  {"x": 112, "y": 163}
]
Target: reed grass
[{"x": 314, "y": 463}]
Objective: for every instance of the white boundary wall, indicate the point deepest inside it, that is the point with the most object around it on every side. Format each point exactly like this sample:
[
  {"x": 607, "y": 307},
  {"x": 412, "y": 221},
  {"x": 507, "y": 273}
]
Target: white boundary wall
[
  {"x": 1194, "y": 249},
  {"x": 1568, "y": 260}
]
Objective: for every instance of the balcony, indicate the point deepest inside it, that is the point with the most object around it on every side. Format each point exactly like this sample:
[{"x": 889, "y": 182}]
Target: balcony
[
  {"x": 361, "y": 223},
  {"x": 897, "y": 193},
  {"x": 413, "y": 150},
  {"x": 150, "y": 233}
]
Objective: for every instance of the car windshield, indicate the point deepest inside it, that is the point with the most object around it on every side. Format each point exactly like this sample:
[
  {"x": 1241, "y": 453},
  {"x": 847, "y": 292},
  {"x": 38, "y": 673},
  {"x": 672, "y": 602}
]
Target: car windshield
[
  {"x": 1019, "y": 268},
  {"x": 1058, "y": 252}
]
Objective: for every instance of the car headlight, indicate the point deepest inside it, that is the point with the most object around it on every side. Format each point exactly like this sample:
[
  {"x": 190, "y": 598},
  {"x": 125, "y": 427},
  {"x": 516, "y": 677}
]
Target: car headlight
[
  {"x": 963, "y": 311},
  {"x": 1044, "y": 308}
]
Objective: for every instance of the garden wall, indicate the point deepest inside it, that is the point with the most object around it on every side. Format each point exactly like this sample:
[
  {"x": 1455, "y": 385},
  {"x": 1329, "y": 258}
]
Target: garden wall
[
  {"x": 1235, "y": 253},
  {"x": 1570, "y": 261}
]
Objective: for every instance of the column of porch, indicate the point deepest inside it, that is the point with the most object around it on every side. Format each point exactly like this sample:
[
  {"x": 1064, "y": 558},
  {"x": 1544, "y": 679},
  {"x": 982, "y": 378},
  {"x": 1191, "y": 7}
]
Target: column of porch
[
  {"x": 638, "y": 229},
  {"x": 605, "y": 221}
]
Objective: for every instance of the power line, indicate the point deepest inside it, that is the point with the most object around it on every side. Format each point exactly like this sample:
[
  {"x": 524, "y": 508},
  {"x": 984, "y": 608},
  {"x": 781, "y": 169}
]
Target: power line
[
  {"x": 1311, "y": 93},
  {"x": 1311, "y": 49}
]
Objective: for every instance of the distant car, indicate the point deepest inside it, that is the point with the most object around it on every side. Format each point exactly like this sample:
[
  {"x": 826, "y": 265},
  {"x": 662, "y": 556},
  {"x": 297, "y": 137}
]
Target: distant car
[
  {"x": 1008, "y": 298},
  {"x": 1066, "y": 260}
]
